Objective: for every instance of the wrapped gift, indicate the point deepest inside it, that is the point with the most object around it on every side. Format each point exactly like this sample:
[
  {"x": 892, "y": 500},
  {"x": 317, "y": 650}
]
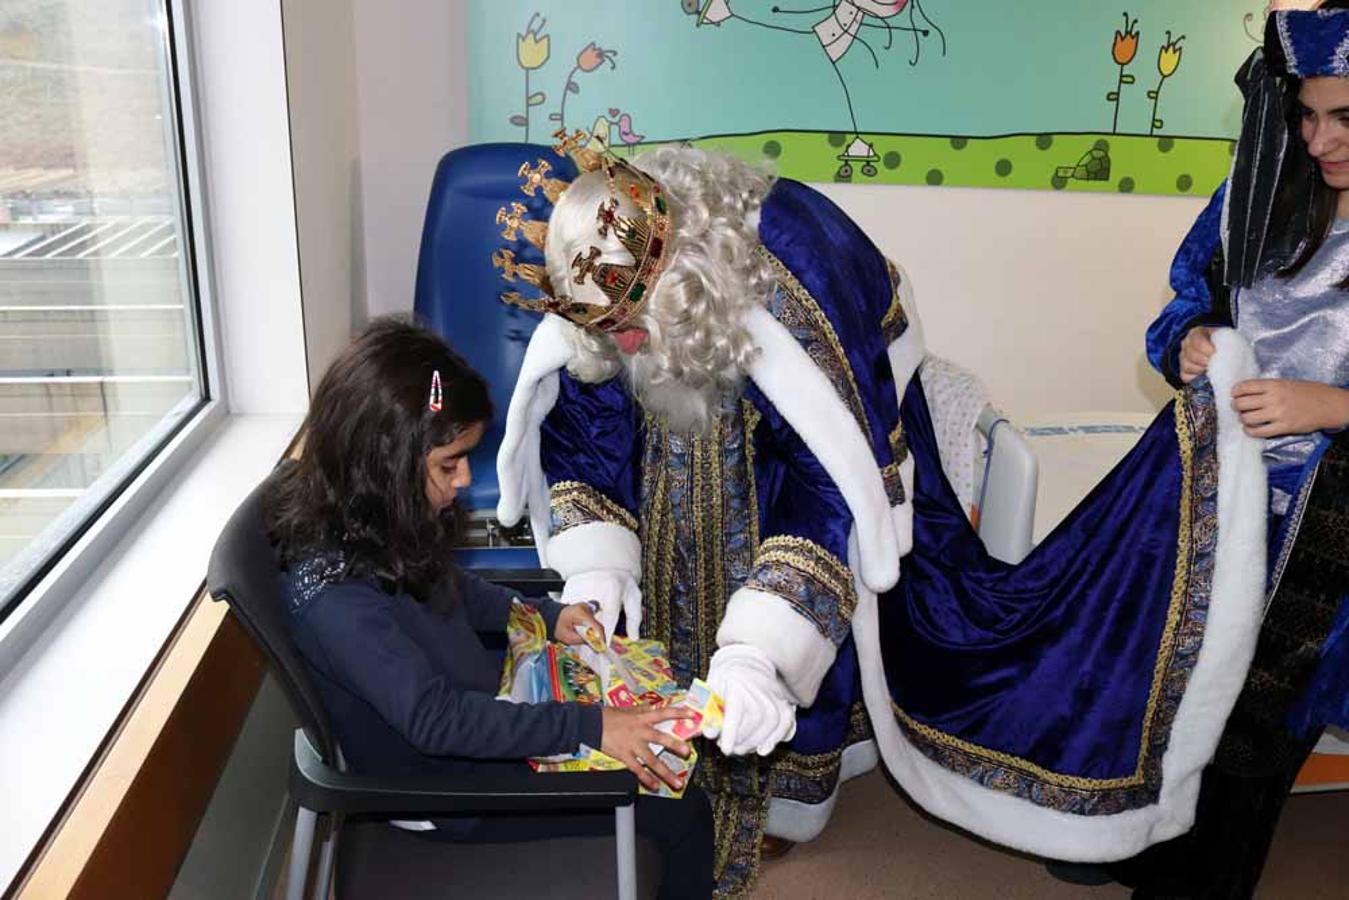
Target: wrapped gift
[{"x": 538, "y": 670}]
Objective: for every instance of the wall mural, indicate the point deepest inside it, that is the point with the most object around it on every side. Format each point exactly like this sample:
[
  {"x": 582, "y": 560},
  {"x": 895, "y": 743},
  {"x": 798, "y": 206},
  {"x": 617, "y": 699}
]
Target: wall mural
[{"x": 970, "y": 93}]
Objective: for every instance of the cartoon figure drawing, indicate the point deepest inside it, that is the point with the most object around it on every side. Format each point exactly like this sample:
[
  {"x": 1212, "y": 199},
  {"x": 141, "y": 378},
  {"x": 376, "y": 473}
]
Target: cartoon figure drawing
[{"x": 838, "y": 32}]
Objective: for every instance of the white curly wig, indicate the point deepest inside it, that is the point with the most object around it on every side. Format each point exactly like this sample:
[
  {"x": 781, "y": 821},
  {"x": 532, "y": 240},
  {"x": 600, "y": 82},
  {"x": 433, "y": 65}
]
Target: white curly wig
[{"x": 698, "y": 349}]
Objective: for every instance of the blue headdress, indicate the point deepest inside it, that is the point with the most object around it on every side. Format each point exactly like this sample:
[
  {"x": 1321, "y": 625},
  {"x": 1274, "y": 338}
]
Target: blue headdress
[
  {"x": 1313, "y": 43},
  {"x": 1298, "y": 44}
]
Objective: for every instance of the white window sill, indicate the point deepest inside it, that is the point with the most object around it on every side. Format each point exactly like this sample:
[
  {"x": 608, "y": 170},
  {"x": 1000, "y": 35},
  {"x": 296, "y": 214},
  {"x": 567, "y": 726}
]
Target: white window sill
[{"x": 62, "y": 697}]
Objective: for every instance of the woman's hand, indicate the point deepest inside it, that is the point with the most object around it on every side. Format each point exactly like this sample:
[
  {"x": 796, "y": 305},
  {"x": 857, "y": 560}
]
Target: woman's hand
[
  {"x": 1274, "y": 407},
  {"x": 1195, "y": 352},
  {"x": 577, "y": 614},
  {"x": 628, "y": 734}
]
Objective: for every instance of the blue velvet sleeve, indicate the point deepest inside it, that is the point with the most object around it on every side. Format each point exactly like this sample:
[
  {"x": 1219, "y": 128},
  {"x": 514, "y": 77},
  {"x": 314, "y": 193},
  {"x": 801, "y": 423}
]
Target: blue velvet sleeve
[
  {"x": 1193, "y": 304},
  {"x": 368, "y": 652},
  {"x": 591, "y": 448},
  {"x": 804, "y": 527}
]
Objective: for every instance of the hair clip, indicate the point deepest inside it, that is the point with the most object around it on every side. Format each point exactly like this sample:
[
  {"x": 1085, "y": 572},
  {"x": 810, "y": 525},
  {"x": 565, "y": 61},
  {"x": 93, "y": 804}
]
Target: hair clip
[{"x": 435, "y": 403}]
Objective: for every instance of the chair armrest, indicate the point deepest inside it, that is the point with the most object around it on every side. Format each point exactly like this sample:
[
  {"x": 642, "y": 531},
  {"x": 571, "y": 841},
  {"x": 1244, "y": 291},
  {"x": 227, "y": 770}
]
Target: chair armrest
[
  {"x": 529, "y": 582},
  {"x": 319, "y": 787}
]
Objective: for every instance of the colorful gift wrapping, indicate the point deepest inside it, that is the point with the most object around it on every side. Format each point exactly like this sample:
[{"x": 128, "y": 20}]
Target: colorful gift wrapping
[{"x": 537, "y": 670}]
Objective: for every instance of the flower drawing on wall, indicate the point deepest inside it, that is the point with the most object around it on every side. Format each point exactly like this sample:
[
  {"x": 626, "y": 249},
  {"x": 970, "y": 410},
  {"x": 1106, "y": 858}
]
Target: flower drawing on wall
[
  {"x": 589, "y": 59},
  {"x": 1168, "y": 61},
  {"x": 532, "y": 49},
  {"x": 1123, "y": 52}
]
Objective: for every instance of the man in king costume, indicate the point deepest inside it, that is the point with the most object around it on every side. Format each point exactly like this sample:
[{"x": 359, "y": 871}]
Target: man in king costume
[
  {"x": 705, "y": 432},
  {"x": 707, "y": 436}
]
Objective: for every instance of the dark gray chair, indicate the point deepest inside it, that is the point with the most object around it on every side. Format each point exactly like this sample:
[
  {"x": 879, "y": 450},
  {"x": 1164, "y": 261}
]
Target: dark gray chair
[{"x": 373, "y": 858}]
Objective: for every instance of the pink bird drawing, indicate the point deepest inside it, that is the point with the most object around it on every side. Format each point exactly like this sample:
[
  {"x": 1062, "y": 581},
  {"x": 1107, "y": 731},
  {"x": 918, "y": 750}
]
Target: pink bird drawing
[{"x": 625, "y": 132}]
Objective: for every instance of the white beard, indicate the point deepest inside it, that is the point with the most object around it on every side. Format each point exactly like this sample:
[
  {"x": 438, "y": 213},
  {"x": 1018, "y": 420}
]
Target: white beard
[{"x": 685, "y": 407}]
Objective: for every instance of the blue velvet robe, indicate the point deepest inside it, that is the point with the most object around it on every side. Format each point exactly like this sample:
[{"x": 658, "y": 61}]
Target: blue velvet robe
[
  {"x": 1198, "y": 301},
  {"x": 1055, "y": 682},
  {"x": 748, "y": 504},
  {"x": 714, "y": 511}
]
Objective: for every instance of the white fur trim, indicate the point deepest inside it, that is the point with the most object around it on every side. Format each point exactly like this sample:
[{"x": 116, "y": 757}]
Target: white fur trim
[
  {"x": 794, "y": 384},
  {"x": 520, "y": 475},
  {"x": 906, "y": 354},
  {"x": 908, "y": 350},
  {"x": 1229, "y": 643},
  {"x": 793, "y": 820},
  {"x": 595, "y": 545},
  {"x": 796, "y": 648},
  {"x": 533, "y": 398}
]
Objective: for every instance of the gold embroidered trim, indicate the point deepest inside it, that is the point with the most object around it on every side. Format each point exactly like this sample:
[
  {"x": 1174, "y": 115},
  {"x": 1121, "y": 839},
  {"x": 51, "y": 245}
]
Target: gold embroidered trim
[
  {"x": 574, "y": 503},
  {"x": 899, "y": 451},
  {"x": 1179, "y": 585},
  {"x": 797, "y": 554},
  {"x": 819, "y": 322},
  {"x": 752, "y": 418},
  {"x": 895, "y": 321}
]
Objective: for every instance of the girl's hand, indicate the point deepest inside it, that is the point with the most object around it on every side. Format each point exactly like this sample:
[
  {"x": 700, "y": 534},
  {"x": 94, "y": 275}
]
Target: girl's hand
[
  {"x": 1274, "y": 407},
  {"x": 628, "y": 734},
  {"x": 1195, "y": 352},
  {"x": 577, "y": 614}
]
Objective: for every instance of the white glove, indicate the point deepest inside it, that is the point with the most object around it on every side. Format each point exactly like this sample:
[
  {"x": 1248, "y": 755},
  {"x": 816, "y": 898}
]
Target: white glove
[
  {"x": 615, "y": 590},
  {"x": 760, "y": 713}
]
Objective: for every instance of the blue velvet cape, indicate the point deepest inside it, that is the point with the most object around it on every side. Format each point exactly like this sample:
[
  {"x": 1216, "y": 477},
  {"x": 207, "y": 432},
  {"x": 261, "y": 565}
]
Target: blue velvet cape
[{"x": 1057, "y": 679}]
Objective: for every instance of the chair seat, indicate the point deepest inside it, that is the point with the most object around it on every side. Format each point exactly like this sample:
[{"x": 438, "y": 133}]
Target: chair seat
[{"x": 377, "y": 860}]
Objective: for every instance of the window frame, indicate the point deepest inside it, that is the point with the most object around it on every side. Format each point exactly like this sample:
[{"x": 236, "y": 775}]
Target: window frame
[{"x": 63, "y": 573}]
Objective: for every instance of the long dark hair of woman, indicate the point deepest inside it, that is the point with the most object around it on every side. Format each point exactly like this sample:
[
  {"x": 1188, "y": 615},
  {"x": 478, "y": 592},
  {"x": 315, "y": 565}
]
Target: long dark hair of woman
[
  {"x": 359, "y": 486},
  {"x": 1301, "y": 174}
]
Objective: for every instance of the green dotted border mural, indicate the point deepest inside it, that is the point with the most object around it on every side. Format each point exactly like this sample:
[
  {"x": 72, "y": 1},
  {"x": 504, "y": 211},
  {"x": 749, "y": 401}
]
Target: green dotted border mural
[{"x": 1082, "y": 162}]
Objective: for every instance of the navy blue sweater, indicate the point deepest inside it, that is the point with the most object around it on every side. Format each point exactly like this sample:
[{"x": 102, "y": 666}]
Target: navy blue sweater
[{"x": 409, "y": 686}]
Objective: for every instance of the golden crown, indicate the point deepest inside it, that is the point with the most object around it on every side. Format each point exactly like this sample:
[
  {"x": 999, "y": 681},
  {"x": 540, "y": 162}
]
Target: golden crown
[{"x": 645, "y": 236}]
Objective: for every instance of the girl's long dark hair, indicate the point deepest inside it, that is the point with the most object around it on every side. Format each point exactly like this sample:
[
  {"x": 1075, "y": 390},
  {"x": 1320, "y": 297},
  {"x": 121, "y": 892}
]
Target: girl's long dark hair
[
  {"x": 1324, "y": 200},
  {"x": 359, "y": 485}
]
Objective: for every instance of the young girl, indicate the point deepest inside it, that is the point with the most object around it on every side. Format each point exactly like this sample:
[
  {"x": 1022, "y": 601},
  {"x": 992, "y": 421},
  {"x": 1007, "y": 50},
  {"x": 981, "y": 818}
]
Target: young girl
[
  {"x": 390, "y": 627},
  {"x": 1285, "y": 287}
]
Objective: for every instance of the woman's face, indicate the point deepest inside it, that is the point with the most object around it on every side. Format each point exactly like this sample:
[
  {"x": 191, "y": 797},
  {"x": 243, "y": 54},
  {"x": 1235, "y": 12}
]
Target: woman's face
[
  {"x": 447, "y": 470},
  {"x": 1325, "y": 127}
]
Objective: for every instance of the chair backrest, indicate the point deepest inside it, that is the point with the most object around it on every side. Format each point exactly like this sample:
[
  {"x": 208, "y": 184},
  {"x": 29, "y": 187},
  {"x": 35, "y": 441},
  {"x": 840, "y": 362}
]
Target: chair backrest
[
  {"x": 458, "y": 287},
  {"x": 244, "y": 572}
]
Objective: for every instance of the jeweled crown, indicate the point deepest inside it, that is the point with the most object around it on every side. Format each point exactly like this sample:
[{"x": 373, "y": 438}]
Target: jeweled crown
[{"x": 646, "y": 236}]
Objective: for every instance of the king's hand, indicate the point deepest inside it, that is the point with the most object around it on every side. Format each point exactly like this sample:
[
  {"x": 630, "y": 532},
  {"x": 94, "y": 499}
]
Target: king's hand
[
  {"x": 760, "y": 712},
  {"x": 613, "y": 591}
]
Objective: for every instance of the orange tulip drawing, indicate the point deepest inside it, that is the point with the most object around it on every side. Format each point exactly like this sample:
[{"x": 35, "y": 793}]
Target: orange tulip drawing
[
  {"x": 1168, "y": 61},
  {"x": 1123, "y": 52},
  {"x": 589, "y": 59},
  {"x": 531, "y": 52}
]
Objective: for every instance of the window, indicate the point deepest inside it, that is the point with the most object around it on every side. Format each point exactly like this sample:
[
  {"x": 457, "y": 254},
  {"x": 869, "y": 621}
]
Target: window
[{"x": 101, "y": 351}]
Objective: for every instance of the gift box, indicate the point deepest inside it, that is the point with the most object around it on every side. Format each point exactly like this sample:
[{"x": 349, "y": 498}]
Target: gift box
[{"x": 538, "y": 670}]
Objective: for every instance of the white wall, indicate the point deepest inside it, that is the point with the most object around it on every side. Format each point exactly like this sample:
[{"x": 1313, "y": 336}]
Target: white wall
[
  {"x": 412, "y": 99},
  {"x": 241, "y": 101},
  {"x": 1046, "y": 295},
  {"x": 321, "y": 87}
]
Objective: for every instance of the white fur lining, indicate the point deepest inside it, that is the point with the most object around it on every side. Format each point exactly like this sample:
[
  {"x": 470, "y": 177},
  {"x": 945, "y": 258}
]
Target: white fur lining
[
  {"x": 799, "y": 652},
  {"x": 906, "y": 355},
  {"x": 595, "y": 545},
  {"x": 794, "y": 384},
  {"x": 1229, "y": 643},
  {"x": 797, "y": 821},
  {"x": 519, "y": 472},
  {"x": 908, "y": 350}
]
